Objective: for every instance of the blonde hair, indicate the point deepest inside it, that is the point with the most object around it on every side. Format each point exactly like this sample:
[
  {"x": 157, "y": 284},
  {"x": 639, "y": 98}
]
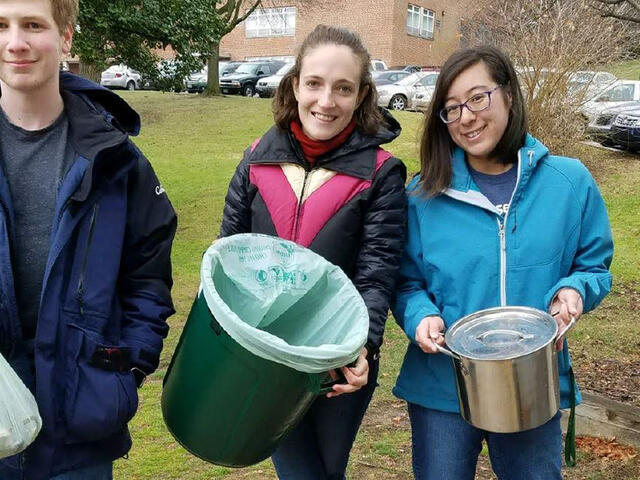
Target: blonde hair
[{"x": 65, "y": 13}]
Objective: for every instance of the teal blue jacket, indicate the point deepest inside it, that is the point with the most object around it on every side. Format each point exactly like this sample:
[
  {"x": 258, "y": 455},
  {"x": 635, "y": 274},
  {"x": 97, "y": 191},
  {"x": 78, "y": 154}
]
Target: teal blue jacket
[{"x": 462, "y": 256}]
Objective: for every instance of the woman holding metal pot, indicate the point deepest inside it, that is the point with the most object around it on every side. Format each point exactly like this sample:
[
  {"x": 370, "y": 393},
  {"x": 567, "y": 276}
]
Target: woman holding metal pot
[{"x": 494, "y": 220}]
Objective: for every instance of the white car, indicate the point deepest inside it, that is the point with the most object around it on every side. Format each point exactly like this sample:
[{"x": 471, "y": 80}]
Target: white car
[
  {"x": 590, "y": 83},
  {"x": 400, "y": 95},
  {"x": 422, "y": 98},
  {"x": 267, "y": 86},
  {"x": 620, "y": 92},
  {"x": 121, "y": 76}
]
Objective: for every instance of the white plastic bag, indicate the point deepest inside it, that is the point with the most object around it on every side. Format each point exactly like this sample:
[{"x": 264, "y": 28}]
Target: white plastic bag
[{"x": 20, "y": 421}]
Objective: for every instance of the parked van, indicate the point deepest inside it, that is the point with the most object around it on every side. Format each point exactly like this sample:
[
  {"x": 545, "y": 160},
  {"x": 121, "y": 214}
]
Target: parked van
[{"x": 378, "y": 65}]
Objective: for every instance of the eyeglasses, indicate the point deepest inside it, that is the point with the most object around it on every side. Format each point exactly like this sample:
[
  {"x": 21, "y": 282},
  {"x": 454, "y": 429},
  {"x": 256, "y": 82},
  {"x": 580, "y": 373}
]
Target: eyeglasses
[{"x": 477, "y": 103}]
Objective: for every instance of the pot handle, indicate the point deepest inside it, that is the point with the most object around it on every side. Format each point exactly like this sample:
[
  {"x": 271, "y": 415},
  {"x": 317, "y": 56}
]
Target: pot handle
[
  {"x": 563, "y": 332},
  {"x": 446, "y": 351}
]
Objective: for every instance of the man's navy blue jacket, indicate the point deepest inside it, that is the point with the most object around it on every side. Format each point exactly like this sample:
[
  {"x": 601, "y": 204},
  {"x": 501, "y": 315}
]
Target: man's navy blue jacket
[{"x": 106, "y": 291}]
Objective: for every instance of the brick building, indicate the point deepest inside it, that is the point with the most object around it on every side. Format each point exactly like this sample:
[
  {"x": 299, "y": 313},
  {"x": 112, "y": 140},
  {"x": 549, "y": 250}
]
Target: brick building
[{"x": 399, "y": 32}]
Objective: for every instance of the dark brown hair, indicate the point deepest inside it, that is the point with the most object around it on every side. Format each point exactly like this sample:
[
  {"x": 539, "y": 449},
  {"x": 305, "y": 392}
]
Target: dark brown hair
[
  {"x": 436, "y": 146},
  {"x": 367, "y": 116}
]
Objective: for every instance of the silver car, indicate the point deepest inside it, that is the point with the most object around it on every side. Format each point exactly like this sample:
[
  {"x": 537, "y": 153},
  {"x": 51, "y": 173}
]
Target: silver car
[
  {"x": 121, "y": 76},
  {"x": 620, "y": 92},
  {"x": 400, "y": 95},
  {"x": 422, "y": 98},
  {"x": 600, "y": 127},
  {"x": 267, "y": 86},
  {"x": 197, "y": 82}
]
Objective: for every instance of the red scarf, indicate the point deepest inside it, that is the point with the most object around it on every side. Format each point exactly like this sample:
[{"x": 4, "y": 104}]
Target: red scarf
[{"x": 312, "y": 149}]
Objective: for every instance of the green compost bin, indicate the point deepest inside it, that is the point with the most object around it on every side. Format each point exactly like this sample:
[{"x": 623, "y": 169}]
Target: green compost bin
[{"x": 270, "y": 320}]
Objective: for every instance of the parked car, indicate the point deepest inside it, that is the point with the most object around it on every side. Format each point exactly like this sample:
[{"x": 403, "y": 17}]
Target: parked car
[
  {"x": 226, "y": 67},
  {"x": 246, "y": 76},
  {"x": 422, "y": 98},
  {"x": 620, "y": 92},
  {"x": 584, "y": 86},
  {"x": 625, "y": 130},
  {"x": 197, "y": 82},
  {"x": 399, "y": 95},
  {"x": 166, "y": 78},
  {"x": 593, "y": 82},
  {"x": 407, "y": 68},
  {"x": 378, "y": 66},
  {"x": 121, "y": 76},
  {"x": 387, "y": 77},
  {"x": 266, "y": 87},
  {"x": 600, "y": 127}
]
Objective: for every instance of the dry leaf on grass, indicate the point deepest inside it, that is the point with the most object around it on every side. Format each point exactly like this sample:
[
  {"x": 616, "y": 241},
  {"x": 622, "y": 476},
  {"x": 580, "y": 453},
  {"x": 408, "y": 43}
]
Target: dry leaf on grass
[{"x": 606, "y": 448}]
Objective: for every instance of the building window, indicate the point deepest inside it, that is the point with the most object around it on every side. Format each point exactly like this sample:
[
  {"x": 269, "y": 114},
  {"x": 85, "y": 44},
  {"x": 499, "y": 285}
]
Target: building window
[
  {"x": 420, "y": 21},
  {"x": 271, "y": 22}
]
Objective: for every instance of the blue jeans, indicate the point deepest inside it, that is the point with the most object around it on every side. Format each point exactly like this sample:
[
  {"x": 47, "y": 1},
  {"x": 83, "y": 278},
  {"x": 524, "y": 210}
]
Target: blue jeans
[
  {"x": 445, "y": 447},
  {"x": 318, "y": 448},
  {"x": 13, "y": 469},
  {"x": 102, "y": 471}
]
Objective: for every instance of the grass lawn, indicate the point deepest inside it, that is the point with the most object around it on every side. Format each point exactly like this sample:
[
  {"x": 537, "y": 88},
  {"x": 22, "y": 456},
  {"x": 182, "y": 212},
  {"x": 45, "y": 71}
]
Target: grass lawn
[
  {"x": 629, "y": 70},
  {"x": 195, "y": 143}
]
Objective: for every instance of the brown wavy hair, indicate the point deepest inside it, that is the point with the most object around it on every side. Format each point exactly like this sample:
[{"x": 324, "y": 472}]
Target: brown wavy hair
[
  {"x": 436, "y": 146},
  {"x": 367, "y": 116},
  {"x": 65, "y": 13}
]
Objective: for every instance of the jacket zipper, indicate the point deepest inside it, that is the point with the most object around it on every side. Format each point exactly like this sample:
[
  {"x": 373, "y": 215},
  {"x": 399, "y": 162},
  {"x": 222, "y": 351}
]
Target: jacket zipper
[
  {"x": 80, "y": 290},
  {"x": 502, "y": 224},
  {"x": 503, "y": 262},
  {"x": 9, "y": 300},
  {"x": 296, "y": 224}
]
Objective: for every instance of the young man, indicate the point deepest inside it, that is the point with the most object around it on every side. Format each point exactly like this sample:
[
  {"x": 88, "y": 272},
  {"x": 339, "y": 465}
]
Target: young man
[{"x": 85, "y": 239}]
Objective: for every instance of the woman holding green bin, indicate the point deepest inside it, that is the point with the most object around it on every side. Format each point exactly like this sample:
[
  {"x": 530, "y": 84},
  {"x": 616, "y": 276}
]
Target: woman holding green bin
[{"x": 320, "y": 179}]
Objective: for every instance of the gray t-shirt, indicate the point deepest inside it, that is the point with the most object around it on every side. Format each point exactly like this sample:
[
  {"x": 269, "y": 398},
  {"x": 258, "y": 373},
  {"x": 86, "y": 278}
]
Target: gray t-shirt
[
  {"x": 34, "y": 163},
  {"x": 497, "y": 188}
]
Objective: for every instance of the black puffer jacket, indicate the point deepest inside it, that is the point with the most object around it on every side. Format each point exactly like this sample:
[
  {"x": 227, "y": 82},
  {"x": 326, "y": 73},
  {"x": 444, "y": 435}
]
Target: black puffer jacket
[{"x": 350, "y": 207}]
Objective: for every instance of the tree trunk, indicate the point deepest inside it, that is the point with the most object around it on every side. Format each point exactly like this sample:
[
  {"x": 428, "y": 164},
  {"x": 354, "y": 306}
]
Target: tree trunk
[
  {"x": 213, "y": 75},
  {"x": 92, "y": 72}
]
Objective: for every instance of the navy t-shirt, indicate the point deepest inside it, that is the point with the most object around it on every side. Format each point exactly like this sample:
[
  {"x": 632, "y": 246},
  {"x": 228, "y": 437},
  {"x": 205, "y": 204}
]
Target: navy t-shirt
[{"x": 497, "y": 188}]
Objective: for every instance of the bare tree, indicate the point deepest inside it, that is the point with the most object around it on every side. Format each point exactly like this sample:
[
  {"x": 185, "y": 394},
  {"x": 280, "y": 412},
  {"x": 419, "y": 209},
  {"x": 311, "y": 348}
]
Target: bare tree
[
  {"x": 231, "y": 13},
  {"x": 548, "y": 41},
  {"x": 628, "y": 10}
]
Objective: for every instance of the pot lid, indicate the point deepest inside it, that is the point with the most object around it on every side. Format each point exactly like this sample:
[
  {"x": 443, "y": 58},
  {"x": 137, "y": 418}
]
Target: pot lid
[{"x": 501, "y": 333}]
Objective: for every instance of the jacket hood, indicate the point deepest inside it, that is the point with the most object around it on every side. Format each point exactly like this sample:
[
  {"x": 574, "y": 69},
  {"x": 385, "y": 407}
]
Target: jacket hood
[
  {"x": 118, "y": 112},
  {"x": 529, "y": 156},
  {"x": 390, "y": 129},
  {"x": 353, "y": 157},
  {"x": 100, "y": 124}
]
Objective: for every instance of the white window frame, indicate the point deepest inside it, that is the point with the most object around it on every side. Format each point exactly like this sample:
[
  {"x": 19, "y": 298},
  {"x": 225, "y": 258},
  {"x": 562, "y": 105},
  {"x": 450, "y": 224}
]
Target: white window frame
[
  {"x": 271, "y": 22},
  {"x": 420, "y": 21}
]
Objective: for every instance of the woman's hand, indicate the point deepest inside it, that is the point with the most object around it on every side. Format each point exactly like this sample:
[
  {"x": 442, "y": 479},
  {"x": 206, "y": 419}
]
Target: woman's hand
[
  {"x": 566, "y": 304},
  {"x": 356, "y": 377},
  {"x": 429, "y": 332}
]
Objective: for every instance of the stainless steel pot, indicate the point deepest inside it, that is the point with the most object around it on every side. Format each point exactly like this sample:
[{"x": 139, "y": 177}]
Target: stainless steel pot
[{"x": 506, "y": 367}]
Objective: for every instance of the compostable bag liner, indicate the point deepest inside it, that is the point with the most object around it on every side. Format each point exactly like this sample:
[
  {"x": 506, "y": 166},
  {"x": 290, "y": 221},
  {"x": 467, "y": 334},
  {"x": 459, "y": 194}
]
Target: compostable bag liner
[{"x": 283, "y": 302}]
